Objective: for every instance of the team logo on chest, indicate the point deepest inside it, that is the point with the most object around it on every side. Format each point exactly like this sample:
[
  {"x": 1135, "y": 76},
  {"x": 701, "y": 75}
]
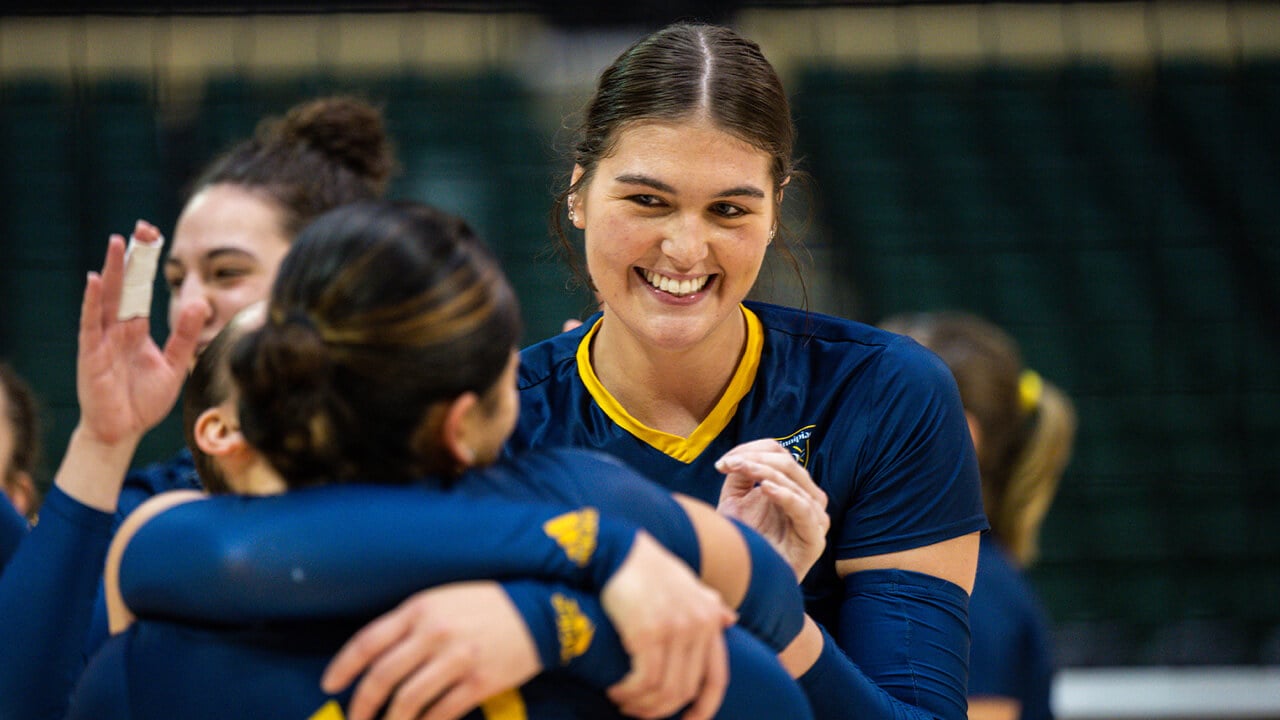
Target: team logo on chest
[{"x": 798, "y": 443}]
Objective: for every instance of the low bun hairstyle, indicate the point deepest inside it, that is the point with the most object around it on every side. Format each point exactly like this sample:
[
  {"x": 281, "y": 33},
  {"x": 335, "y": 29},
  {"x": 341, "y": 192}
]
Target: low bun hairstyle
[{"x": 379, "y": 311}]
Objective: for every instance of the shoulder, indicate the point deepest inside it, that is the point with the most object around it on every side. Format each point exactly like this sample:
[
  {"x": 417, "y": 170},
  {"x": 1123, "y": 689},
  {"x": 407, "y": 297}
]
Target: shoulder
[
  {"x": 831, "y": 344},
  {"x": 178, "y": 472},
  {"x": 568, "y": 473},
  {"x": 118, "y": 614},
  {"x": 542, "y": 360}
]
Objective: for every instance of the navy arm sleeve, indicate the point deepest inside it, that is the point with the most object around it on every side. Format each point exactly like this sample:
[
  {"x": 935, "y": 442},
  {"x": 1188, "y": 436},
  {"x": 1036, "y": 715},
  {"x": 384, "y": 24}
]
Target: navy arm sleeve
[
  {"x": 907, "y": 637},
  {"x": 13, "y": 527},
  {"x": 575, "y": 639},
  {"x": 352, "y": 550},
  {"x": 47, "y": 594}
]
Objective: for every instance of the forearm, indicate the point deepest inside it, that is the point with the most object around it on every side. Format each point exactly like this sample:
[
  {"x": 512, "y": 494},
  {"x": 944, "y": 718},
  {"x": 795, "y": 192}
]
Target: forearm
[
  {"x": 773, "y": 607},
  {"x": 353, "y": 551},
  {"x": 47, "y": 597},
  {"x": 903, "y": 651}
]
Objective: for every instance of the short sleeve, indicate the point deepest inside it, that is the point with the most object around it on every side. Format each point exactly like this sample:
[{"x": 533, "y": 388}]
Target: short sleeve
[{"x": 915, "y": 474}]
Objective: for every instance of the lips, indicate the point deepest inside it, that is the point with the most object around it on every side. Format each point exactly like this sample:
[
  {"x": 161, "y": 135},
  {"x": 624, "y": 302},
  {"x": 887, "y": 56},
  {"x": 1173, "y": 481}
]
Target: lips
[{"x": 679, "y": 287}]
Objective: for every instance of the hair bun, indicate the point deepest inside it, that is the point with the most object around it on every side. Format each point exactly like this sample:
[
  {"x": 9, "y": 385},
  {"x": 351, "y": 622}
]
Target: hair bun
[
  {"x": 345, "y": 128},
  {"x": 285, "y": 375}
]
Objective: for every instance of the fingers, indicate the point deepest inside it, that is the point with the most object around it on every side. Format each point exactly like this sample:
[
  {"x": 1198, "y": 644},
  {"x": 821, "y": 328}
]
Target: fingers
[
  {"x": 692, "y": 671},
  {"x": 180, "y": 348},
  {"x": 418, "y": 685},
  {"x": 361, "y": 651},
  {"x": 808, "y": 518},
  {"x": 766, "y": 459},
  {"x": 714, "y": 685},
  {"x": 146, "y": 232},
  {"x": 91, "y": 313},
  {"x": 112, "y": 279}
]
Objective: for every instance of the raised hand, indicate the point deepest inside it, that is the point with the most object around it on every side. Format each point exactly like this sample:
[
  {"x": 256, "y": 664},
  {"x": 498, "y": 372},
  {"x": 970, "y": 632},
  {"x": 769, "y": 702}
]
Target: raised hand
[
  {"x": 765, "y": 488},
  {"x": 124, "y": 382}
]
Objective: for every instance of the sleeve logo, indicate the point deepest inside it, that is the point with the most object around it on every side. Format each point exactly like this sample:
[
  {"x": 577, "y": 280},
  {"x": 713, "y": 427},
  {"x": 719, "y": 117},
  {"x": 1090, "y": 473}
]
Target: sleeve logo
[
  {"x": 574, "y": 628},
  {"x": 329, "y": 711},
  {"x": 575, "y": 532}
]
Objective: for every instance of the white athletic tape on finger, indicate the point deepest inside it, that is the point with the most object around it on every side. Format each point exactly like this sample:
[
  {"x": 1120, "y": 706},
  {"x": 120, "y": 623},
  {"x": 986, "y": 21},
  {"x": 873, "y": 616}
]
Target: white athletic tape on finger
[{"x": 140, "y": 262}]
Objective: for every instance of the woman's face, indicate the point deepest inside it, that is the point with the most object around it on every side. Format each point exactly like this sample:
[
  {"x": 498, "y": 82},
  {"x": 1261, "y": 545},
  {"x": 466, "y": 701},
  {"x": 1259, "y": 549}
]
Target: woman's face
[
  {"x": 677, "y": 221},
  {"x": 226, "y": 249},
  {"x": 500, "y": 410}
]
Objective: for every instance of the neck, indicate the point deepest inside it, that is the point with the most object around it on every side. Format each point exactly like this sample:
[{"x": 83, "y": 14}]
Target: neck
[{"x": 671, "y": 390}]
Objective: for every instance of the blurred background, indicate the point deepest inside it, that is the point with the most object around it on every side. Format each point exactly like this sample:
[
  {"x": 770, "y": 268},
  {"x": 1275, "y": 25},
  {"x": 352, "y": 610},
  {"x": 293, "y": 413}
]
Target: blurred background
[{"x": 1101, "y": 179}]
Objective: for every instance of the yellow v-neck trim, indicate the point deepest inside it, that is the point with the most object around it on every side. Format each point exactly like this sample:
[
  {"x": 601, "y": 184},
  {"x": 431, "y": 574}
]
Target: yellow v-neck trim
[{"x": 686, "y": 450}]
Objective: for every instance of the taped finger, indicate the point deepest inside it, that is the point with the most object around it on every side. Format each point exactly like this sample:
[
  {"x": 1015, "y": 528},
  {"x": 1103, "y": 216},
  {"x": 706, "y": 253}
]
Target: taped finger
[{"x": 141, "y": 259}]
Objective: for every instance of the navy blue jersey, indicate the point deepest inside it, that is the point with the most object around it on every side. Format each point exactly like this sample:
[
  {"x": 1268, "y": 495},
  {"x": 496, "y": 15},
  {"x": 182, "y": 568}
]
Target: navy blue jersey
[
  {"x": 141, "y": 484},
  {"x": 160, "y": 671},
  {"x": 13, "y": 528},
  {"x": 874, "y": 417},
  {"x": 1011, "y": 654}
]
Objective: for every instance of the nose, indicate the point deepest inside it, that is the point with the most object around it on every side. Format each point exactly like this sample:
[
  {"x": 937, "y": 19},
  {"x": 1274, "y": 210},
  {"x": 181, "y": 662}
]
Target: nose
[
  {"x": 686, "y": 243},
  {"x": 190, "y": 291}
]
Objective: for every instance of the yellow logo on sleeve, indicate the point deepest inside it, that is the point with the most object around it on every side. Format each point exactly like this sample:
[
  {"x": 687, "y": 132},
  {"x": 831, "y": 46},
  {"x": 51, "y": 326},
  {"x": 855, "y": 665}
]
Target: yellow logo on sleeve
[
  {"x": 329, "y": 711},
  {"x": 575, "y": 630},
  {"x": 575, "y": 532},
  {"x": 508, "y": 705}
]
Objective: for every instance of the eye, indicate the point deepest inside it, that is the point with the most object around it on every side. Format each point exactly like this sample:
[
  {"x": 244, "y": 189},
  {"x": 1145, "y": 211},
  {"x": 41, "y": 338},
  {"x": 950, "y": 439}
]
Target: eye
[
  {"x": 646, "y": 200},
  {"x": 728, "y": 210},
  {"x": 173, "y": 279},
  {"x": 228, "y": 274}
]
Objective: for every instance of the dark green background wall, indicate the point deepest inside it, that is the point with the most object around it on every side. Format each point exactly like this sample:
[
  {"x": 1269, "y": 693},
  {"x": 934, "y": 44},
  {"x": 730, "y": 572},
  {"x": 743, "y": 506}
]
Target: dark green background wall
[{"x": 1122, "y": 224}]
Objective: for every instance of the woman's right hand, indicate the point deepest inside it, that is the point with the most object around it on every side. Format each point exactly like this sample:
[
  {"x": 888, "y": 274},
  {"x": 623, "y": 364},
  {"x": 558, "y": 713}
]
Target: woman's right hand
[
  {"x": 126, "y": 384},
  {"x": 767, "y": 490},
  {"x": 672, "y": 626}
]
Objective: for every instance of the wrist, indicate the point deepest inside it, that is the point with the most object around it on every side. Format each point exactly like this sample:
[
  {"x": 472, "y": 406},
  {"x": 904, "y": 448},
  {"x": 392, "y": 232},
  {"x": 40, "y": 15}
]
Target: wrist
[{"x": 93, "y": 468}]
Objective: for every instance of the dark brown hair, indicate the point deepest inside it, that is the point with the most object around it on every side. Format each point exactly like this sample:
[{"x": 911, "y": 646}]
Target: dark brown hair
[
  {"x": 208, "y": 385},
  {"x": 682, "y": 72},
  {"x": 318, "y": 155},
  {"x": 379, "y": 311},
  {"x": 1027, "y": 424},
  {"x": 23, "y": 416}
]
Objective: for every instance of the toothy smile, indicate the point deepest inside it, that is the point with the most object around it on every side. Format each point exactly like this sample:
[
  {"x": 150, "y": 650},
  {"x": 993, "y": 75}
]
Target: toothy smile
[{"x": 679, "y": 288}]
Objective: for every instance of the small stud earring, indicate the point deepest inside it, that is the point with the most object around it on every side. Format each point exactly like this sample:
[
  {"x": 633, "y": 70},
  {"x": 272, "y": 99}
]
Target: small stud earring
[
  {"x": 571, "y": 201},
  {"x": 772, "y": 231}
]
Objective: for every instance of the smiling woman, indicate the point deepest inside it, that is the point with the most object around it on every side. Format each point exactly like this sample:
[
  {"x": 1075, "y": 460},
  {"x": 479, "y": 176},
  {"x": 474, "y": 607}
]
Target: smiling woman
[{"x": 793, "y": 421}]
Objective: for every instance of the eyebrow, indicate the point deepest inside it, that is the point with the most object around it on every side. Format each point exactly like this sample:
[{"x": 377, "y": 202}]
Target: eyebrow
[
  {"x": 213, "y": 255},
  {"x": 637, "y": 179}
]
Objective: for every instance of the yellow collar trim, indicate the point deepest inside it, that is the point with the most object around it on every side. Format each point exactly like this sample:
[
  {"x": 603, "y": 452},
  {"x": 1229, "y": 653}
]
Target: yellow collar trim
[{"x": 686, "y": 450}]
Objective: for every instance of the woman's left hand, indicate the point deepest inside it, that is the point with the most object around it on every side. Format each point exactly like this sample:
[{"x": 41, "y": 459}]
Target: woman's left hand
[{"x": 766, "y": 489}]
